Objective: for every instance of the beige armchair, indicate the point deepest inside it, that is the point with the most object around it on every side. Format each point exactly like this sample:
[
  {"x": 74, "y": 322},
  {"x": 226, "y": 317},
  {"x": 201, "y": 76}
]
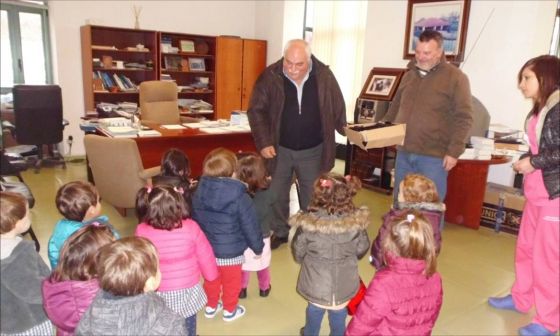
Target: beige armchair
[
  {"x": 117, "y": 170},
  {"x": 158, "y": 102}
]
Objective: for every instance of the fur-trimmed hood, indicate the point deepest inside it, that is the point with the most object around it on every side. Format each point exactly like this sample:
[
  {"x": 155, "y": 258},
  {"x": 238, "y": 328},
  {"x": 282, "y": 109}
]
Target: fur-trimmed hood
[
  {"x": 322, "y": 222},
  {"x": 440, "y": 207}
]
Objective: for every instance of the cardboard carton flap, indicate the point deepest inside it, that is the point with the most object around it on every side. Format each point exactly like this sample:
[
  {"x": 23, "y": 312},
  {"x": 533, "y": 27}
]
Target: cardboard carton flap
[{"x": 376, "y": 138}]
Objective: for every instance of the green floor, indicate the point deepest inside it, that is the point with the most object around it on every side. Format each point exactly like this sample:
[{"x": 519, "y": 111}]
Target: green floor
[{"x": 473, "y": 264}]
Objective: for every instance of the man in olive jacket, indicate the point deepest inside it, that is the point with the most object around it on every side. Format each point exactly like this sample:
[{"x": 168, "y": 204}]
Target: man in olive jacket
[
  {"x": 294, "y": 110},
  {"x": 434, "y": 101}
]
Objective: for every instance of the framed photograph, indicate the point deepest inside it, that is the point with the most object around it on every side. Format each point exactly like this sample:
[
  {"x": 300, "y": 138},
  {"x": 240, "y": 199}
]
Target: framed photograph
[
  {"x": 449, "y": 17},
  {"x": 382, "y": 83},
  {"x": 186, "y": 46},
  {"x": 172, "y": 62},
  {"x": 365, "y": 110},
  {"x": 197, "y": 64}
]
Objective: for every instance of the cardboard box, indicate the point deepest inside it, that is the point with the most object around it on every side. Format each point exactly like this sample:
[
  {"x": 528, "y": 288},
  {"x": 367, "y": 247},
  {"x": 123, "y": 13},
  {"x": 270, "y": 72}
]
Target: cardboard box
[
  {"x": 513, "y": 202},
  {"x": 376, "y": 138}
]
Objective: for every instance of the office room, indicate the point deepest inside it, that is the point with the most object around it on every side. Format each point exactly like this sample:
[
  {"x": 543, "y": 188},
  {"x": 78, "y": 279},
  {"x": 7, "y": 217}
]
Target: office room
[{"x": 352, "y": 38}]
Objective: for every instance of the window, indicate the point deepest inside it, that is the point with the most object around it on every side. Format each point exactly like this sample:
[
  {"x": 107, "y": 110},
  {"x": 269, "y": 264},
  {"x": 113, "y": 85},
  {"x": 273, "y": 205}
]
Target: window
[
  {"x": 25, "y": 47},
  {"x": 554, "y": 49}
]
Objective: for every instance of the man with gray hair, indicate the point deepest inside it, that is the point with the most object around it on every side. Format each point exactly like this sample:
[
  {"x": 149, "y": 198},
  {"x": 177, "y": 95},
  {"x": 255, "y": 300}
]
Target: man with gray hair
[{"x": 294, "y": 110}]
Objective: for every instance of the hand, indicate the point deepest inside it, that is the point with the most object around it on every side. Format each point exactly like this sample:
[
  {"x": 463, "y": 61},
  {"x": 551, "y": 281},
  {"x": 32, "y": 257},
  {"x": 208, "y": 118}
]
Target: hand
[
  {"x": 449, "y": 162},
  {"x": 258, "y": 256},
  {"x": 524, "y": 166},
  {"x": 268, "y": 152}
]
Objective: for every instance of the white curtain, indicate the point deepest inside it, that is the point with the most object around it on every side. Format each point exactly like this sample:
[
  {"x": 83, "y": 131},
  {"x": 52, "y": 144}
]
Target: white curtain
[{"x": 338, "y": 41}]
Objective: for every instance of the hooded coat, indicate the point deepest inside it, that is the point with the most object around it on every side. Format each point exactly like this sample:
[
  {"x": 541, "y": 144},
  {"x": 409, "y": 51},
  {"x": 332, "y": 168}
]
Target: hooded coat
[{"x": 328, "y": 248}]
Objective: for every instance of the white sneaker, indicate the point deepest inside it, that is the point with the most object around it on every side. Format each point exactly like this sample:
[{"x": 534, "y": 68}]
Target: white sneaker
[
  {"x": 237, "y": 313},
  {"x": 210, "y": 312}
]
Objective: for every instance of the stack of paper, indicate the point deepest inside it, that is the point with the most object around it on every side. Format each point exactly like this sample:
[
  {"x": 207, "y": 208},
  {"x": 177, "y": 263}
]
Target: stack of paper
[
  {"x": 483, "y": 147},
  {"x": 122, "y": 131}
]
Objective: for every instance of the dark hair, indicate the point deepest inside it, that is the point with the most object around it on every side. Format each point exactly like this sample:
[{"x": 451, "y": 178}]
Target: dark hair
[
  {"x": 428, "y": 35},
  {"x": 547, "y": 71},
  {"x": 77, "y": 259},
  {"x": 74, "y": 199},
  {"x": 412, "y": 238},
  {"x": 252, "y": 170},
  {"x": 333, "y": 192},
  {"x": 13, "y": 208},
  {"x": 162, "y": 207},
  {"x": 220, "y": 162},
  {"x": 175, "y": 163},
  {"x": 124, "y": 266}
]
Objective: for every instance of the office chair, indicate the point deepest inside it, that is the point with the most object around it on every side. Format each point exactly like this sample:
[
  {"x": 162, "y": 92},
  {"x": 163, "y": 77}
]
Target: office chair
[
  {"x": 38, "y": 120},
  {"x": 7, "y": 169},
  {"x": 159, "y": 102},
  {"x": 117, "y": 170}
]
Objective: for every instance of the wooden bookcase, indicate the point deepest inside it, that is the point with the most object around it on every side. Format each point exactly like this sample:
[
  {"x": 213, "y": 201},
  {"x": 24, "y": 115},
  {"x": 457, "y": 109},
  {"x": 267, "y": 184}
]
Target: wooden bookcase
[
  {"x": 239, "y": 62},
  {"x": 120, "y": 45},
  {"x": 191, "y": 65}
]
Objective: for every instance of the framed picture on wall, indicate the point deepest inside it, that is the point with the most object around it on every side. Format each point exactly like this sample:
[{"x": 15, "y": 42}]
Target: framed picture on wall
[
  {"x": 449, "y": 17},
  {"x": 382, "y": 83}
]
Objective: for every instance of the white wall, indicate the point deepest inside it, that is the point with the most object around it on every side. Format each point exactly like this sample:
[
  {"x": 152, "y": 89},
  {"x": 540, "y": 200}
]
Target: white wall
[
  {"x": 196, "y": 17},
  {"x": 516, "y": 31}
]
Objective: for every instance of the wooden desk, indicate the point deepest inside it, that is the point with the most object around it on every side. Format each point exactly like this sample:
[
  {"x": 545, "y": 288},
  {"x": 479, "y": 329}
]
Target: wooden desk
[
  {"x": 195, "y": 143},
  {"x": 466, "y": 185}
]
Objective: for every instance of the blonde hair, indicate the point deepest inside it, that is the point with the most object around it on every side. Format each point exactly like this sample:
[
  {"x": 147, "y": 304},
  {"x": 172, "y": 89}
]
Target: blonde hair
[
  {"x": 419, "y": 188},
  {"x": 125, "y": 265},
  {"x": 411, "y": 236},
  {"x": 220, "y": 162}
]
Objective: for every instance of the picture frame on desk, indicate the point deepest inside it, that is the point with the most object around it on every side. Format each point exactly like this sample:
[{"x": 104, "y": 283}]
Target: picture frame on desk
[
  {"x": 197, "y": 64},
  {"x": 186, "y": 46},
  {"x": 382, "y": 83}
]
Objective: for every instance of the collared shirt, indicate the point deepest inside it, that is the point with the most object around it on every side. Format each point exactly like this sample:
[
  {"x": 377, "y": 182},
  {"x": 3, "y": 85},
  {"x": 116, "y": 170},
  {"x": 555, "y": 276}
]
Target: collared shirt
[
  {"x": 423, "y": 72},
  {"x": 300, "y": 87}
]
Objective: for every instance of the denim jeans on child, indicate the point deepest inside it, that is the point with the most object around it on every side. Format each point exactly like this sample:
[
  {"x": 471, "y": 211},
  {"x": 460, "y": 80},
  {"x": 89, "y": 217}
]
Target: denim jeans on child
[
  {"x": 314, "y": 317},
  {"x": 429, "y": 166}
]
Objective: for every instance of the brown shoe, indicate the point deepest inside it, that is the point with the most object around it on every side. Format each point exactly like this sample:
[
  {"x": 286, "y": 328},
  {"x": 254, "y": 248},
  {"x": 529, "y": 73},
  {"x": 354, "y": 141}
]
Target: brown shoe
[{"x": 275, "y": 242}]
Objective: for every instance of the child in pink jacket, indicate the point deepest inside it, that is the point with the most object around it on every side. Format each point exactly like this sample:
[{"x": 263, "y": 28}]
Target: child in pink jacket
[
  {"x": 405, "y": 297},
  {"x": 184, "y": 251}
]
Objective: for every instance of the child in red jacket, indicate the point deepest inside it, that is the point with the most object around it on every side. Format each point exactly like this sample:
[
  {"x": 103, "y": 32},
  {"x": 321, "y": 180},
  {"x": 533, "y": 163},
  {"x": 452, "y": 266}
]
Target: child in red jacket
[{"x": 405, "y": 297}]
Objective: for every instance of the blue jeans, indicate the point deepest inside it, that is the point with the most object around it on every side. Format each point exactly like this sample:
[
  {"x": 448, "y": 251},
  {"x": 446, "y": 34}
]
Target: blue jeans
[
  {"x": 429, "y": 166},
  {"x": 314, "y": 316},
  {"x": 191, "y": 325}
]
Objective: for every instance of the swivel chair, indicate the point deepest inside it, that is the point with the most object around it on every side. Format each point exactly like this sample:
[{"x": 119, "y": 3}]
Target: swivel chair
[{"x": 38, "y": 120}]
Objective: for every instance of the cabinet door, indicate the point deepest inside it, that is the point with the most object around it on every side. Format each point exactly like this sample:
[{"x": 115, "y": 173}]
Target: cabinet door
[
  {"x": 254, "y": 62},
  {"x": 229, "y": 62}
]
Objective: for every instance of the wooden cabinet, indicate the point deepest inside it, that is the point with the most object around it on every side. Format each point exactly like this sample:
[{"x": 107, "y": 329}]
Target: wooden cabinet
[
  {"x": 239, "y": 62},
  {"x": 372, "y": 166},
  {"x": 109, "y": 52},
  {"x": 189, "y": 60}
]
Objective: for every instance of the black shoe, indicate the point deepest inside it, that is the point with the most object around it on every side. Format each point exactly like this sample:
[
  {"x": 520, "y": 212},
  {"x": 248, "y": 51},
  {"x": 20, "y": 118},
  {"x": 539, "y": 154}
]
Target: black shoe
[
  {"x": 264, "y": 293},
  {"x": 243, "y": 293},
  {"x": 275, "y": 242}
]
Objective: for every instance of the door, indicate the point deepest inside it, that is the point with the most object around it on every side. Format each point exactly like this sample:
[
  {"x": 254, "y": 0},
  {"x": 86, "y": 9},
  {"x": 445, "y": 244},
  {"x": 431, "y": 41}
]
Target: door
[
  {"x": 229, "y": 53},
  {"x": 254, "y": 62}
]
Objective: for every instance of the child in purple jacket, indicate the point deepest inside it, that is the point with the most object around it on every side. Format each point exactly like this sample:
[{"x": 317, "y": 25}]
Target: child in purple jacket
[{"x": 70, "y": 289}]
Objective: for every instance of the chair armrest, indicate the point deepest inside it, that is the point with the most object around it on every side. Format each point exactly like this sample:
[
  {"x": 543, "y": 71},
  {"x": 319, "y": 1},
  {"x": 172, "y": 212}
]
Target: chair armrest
[{"x": 149, "y": 173}]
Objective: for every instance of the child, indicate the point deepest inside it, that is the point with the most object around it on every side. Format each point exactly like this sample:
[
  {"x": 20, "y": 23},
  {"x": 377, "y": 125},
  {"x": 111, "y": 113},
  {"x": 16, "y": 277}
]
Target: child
[
  {"x": 252, "y": 171},
  {"x": 405, "y": 297},
  {"x": 22, "y": 272},
  {"x": 226, "y": 214},
  {"x": 184, "y": 252},
  {"x": 79, "y": 203},
  {"x": 415, "y": 192},
  {"x": 128, "y": 273},
  {"x": 70, "y": 289},
  {"x": 176, "y": 171},
  {"x": 329, "y": 240}
]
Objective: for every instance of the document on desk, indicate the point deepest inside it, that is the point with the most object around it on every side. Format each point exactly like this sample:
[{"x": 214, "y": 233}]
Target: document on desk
[
  {"x": 173, "y": 126},
  {"x": 148, "y": 133}
]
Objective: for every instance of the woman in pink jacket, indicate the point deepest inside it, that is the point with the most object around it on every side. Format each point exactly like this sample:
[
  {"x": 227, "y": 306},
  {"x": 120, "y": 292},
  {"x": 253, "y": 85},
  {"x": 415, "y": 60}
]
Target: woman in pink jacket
[
  {"x": 184, "y": 251},
  {"x": 70, "y": 289},
  {"x": 405, "y": 297}
]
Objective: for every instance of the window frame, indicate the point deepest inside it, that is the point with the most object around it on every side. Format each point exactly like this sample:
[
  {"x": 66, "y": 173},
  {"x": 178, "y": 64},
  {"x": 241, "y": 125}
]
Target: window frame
[{"x": 13, "y": 10}]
